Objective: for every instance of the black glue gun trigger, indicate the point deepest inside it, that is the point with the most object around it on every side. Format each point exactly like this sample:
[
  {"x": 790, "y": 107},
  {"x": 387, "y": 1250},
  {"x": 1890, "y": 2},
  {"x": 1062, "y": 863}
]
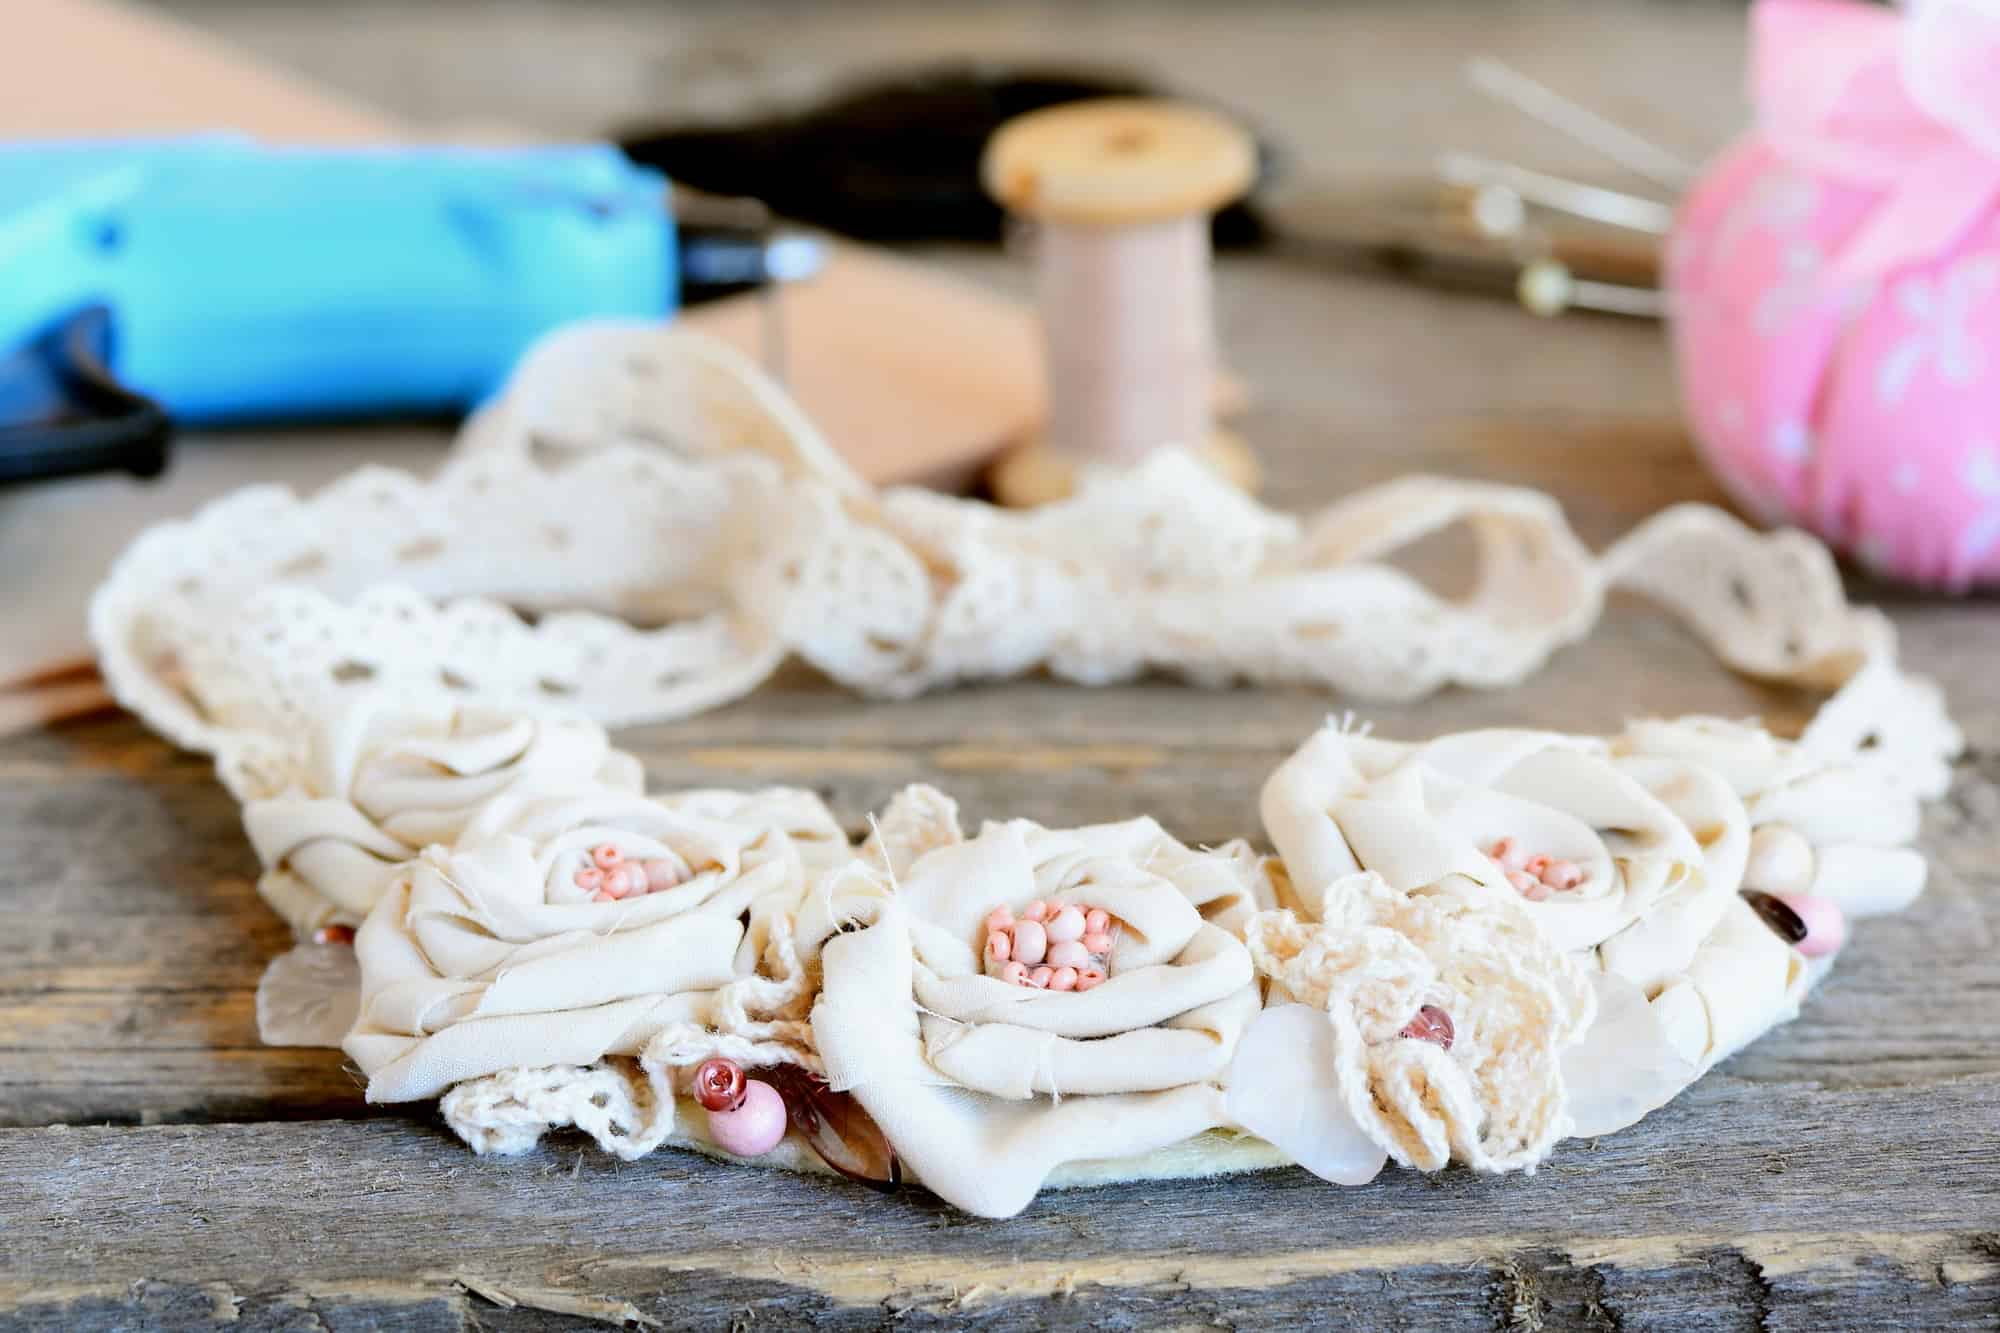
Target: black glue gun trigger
[{"x": 63, "y": 413}]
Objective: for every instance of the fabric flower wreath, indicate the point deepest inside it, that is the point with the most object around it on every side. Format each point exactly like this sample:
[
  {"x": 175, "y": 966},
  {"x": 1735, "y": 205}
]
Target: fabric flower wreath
[
  {"x": 561, "y": 933},
  {"x": 987, "y": 1079},
  {"x": 389, "y": 774}
]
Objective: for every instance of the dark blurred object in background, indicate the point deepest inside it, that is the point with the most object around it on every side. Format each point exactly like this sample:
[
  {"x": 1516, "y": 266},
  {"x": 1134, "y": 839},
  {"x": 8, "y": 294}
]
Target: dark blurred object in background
[{"x": 894, "y": 158}]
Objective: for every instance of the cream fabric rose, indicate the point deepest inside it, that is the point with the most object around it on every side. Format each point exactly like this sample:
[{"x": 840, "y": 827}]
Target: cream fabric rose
[
  {"x": 1414, "y": 814},
  {"x": 488, "y": 955},
  {"x": 985, "y": 1087},
  {"x": 1853, "y": 817},
  {"x": 1684, "y": 971},
  {"x": 793, "y": 811},
  {"x": 1826, "y": 816},
  {"x": 390, "y": 773},
  {"x": 1373, "y": 958},
  {"x": 1649, "y": 1044},
  {"x": 1664, "y": 939}
]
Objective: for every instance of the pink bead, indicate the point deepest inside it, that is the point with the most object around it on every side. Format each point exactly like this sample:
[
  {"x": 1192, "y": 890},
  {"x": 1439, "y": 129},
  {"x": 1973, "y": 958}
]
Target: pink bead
[
  {"x": 1528, "y": 886},
  {"x": 625, "y": 881},
  {"x": 1826, "y": 924},
  {"x": 1015, "y": 974},
  {"x": 1066, "y": 925},
  {"x": 1035, "y": 911},
  {"x": 661, "y": 875},
  {"x": 1563, "y": 875},
  {"x": 999, "y": 919},
  {"x": 606, "y": 856},
  {"x": 1040, "y": 977},
  {"x": 1431, "y": 1024},
  {"x": 755, "y": 1126},
  {"x": 1064, "y": 979},
  {"x": 719, "y": 1084},
  {"x": 1506, "y": 852},
  {"x": 1088, "y": 977},
  {"x": 1536, "y": 865},
  {"x": 1097, "y": 942},
  {"x": 590, "y": 877},
  {"x": 1031, "y": 942},
  {"x": 999, "y": 946},
  {"x": 1096, "y": 921},
  {"x": 602, "y": 897},
  {"x": 1068, "y": 953}
]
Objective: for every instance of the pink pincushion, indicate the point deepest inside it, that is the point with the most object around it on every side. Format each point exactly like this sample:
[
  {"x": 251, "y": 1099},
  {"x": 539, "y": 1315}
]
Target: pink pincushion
[{"x": 1835, "y": 282}]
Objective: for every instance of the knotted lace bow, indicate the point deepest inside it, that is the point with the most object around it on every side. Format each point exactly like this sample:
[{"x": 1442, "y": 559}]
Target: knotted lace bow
[{"x": 1905, "y": 102}]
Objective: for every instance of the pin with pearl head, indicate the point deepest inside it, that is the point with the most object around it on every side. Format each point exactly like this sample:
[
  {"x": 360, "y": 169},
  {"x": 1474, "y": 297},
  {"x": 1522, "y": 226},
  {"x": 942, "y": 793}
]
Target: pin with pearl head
[{"x": 1119, "y": 192}]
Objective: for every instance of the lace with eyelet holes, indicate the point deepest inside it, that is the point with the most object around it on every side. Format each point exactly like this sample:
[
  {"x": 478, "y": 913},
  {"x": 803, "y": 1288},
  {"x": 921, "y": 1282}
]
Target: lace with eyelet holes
[{"x": 643, "y": 527}]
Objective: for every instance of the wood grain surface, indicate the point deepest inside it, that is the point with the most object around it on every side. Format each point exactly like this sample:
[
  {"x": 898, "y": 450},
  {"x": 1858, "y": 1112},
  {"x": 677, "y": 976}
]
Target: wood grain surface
[{"x": 160, "y": 1169}]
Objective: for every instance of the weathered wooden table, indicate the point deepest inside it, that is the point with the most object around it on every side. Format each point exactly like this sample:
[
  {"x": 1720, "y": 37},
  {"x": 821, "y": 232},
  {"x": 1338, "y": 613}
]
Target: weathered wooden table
[{"x": 158, "y": 1168}]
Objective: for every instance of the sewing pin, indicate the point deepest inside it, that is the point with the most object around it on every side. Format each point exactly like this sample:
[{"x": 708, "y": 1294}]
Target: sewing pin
[
  {"x": 1491, "y": 181},
  {"x": 1541, "y": 103},
  {"x": 1547, "y": 288}
]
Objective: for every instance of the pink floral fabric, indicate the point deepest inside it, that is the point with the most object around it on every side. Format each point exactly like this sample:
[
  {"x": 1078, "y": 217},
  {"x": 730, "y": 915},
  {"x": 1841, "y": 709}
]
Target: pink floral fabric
[{"x": 1835, "y": 283}]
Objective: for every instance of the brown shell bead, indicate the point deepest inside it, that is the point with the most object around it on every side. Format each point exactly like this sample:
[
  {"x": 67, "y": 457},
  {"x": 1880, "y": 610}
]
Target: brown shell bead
[
  {"x": 719, "y": 1085},
  {"x": 1785, "y": 923}
]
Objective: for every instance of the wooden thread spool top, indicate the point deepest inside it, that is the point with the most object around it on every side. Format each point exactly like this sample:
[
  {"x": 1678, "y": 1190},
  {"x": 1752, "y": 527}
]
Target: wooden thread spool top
[
  {"x": 1122, "y": 189},
  {"x": 1118, "y": 162}
]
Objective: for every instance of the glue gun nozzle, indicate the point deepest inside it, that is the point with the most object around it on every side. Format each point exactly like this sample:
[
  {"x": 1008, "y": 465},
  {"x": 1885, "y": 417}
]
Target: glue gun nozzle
[
  {"x": 716, "y": 260},
  {"x": 793, "y": 256}
]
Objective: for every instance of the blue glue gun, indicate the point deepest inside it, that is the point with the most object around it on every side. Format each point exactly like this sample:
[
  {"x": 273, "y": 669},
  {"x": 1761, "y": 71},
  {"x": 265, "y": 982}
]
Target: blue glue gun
[{"x": 219, "y": 279}]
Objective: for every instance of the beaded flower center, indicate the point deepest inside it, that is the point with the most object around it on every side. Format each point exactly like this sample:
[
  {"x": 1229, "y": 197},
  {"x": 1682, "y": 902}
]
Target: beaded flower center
[
  {"x": 1533, "y": 875},
  {"x": 1050, "y": 946},
  {"x": 610, "y": 876}
]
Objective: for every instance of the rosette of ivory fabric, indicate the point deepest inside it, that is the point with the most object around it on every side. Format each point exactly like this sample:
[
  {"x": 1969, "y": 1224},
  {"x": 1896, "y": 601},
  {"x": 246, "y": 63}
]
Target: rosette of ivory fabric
[
  {"x": 562, "y": 930},
  {"x": 1831, "y": 816},
  {"x": 1425, "y": 1025},
  {"x": 388, "y": 773},
  {"x": 1631, "y": 863},
  {"x": 986, "y": 1082},
  {"x": 801, "y": 816},
  {"x": 1610, "y": 838},
  {"x": 1831, "y": 813}
]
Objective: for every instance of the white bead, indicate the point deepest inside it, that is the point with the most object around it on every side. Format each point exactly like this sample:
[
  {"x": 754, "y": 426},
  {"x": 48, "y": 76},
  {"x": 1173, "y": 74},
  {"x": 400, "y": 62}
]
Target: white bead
[
  {"x": 1031, "y": 942},
  {"x": 1066, "y": 925},
  {"x": 1068, "y": 953},
  {"x": 1781, "y": 861}
]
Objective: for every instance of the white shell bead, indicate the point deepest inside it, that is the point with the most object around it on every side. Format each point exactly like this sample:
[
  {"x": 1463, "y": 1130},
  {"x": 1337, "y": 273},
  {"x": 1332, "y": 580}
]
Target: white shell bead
[
  {"x": 1031, "y": 942},
  {"x": 1066, "y": 925},
  {"x": 1781, "y": 861},
  {"x": 1068, "y": 953}
]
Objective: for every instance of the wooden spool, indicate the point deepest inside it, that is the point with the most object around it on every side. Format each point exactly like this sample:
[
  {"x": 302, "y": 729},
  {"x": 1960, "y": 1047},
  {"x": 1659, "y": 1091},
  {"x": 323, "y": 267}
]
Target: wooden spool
[{"x": 1120, "y": 191}]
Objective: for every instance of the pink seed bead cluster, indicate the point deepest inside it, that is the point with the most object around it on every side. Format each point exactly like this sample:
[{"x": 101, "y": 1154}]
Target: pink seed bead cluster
[
  {"x": 609, "y": 876},
  {"x": 1535, "y": 877},
  {"x": 1050, "y": 946}
]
